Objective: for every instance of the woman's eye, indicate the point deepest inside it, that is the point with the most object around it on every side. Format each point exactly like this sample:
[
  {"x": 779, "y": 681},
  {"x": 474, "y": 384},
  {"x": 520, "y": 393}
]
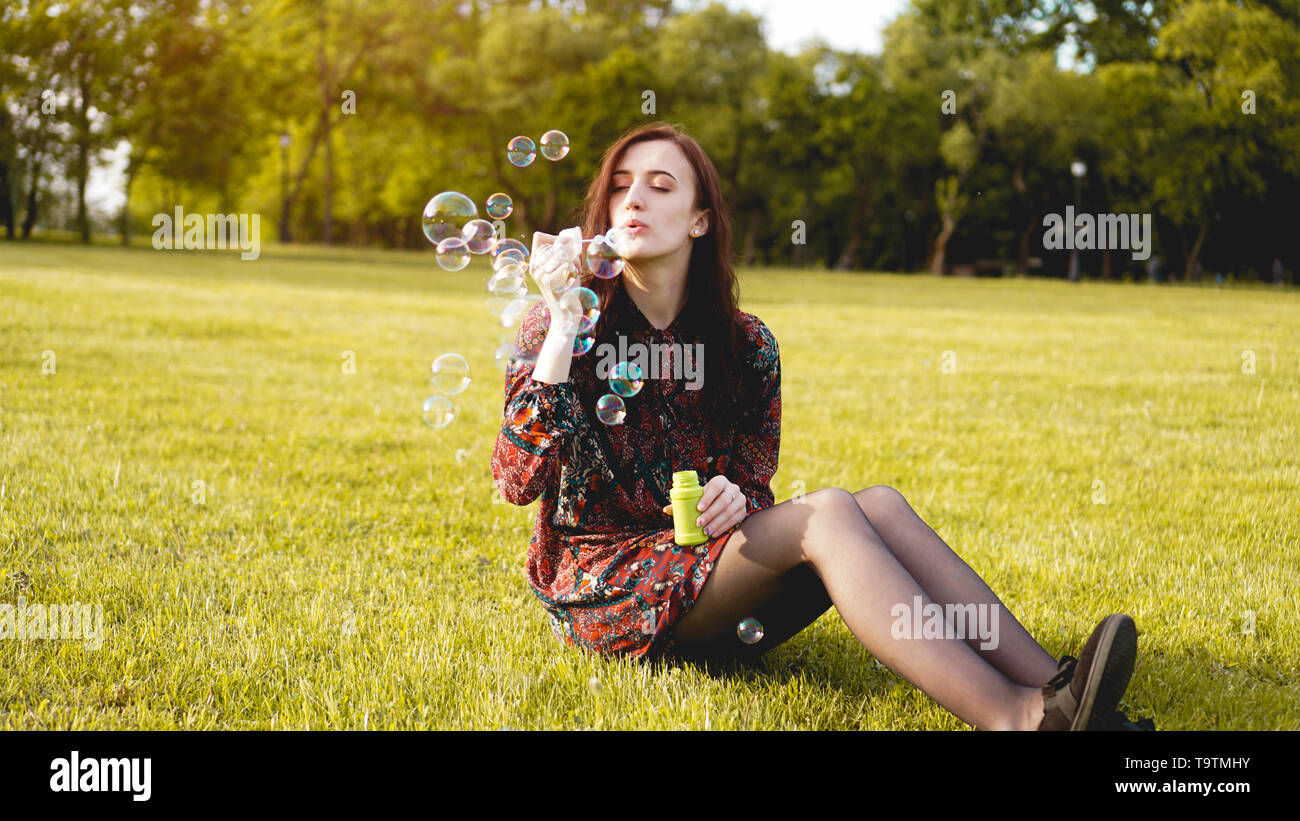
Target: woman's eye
[
  {"x": 619, "y": 187},
  {"x": 657, "y": 188}
]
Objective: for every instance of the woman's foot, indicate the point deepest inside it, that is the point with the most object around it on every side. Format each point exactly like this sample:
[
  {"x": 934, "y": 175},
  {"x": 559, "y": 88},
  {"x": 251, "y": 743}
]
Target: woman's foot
[{"x": 1085, "y": 692}]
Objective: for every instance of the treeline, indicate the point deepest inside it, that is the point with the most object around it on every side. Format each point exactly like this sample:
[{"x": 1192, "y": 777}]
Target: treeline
[{"x": 337, "y": 119}]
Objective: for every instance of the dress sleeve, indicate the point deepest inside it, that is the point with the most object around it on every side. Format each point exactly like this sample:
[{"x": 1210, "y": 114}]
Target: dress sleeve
[
  {"x": 758, "y": 438},
  {"x": 538, "y": 419}
]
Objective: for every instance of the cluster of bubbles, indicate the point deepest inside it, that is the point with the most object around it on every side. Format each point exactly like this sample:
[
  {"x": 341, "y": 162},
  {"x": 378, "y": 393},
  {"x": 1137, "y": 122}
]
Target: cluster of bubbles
[
  {"x": 521, "y": 151},
  {"x": 451, "y": 222},
  {"x": 450, "y": 377}
]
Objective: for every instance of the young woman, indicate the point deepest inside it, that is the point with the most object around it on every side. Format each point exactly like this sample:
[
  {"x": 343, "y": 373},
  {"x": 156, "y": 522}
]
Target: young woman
[{"x": 602, "y": 558}]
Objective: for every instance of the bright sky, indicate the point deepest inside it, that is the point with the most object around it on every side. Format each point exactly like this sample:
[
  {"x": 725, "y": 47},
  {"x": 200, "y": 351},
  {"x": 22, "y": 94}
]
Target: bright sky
[{"x": 850, "y": 25}]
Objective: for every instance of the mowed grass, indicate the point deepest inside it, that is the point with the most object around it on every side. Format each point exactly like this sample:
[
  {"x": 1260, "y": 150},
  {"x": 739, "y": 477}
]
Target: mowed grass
[{"x": 1098, "y": 448}]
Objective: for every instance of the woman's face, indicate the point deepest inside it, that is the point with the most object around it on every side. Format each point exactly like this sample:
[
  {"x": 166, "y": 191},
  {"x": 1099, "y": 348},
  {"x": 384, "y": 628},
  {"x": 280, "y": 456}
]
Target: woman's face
[{"x": 655, "y": 185}]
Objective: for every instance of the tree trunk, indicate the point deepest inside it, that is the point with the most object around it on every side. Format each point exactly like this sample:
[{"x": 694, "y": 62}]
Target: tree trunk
[
  {"x": 83, "y": 163},
  {"x": 6, "y": 202},
  {"x": 125, "y": 218},
  {"x": 327, "y": 216},
  {"x": 845, "y": 262},
  {"x": 29, "y": 218},
  {"x": 751, "y": 235},
  {"x": 1022, "y": 258},
  {"x": 1195, "y": 252},
  {"x": 941, "y": 244}
]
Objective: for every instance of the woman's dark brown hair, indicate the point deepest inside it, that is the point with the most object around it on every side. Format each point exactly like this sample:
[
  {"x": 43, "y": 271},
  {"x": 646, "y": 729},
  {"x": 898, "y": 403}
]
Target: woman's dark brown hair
[{"x": 712, "y": 292}]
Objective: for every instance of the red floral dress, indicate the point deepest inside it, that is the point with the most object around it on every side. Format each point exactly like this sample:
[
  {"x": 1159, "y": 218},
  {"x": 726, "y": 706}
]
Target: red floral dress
[{"x": 602, "y": 559}]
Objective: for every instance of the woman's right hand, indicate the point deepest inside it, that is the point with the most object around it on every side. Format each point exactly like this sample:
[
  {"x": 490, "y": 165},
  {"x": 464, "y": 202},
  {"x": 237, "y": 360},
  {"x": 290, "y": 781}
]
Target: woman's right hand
[{"x": 564, "y": 308}]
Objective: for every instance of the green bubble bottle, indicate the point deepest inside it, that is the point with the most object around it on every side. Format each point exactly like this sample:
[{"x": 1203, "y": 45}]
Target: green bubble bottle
[{"x": 686, "y": 495}]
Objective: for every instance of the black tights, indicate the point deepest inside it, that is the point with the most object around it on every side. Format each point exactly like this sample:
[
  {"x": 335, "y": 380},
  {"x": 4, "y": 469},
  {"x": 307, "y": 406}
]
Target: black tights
[{"x": 864, "y": 553}]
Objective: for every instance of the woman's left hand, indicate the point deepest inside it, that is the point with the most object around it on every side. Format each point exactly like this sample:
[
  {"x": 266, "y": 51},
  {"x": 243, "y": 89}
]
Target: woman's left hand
[{"x": 722, "y": 507}]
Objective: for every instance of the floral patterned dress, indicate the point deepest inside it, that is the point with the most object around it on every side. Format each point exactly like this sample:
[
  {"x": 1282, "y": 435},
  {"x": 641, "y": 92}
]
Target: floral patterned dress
[{"x": 602, "y": 559}]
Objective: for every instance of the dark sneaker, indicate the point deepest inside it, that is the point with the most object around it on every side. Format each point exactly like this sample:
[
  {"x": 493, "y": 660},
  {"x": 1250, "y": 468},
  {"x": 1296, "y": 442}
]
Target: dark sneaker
[{"x": 1084, "y": 692}]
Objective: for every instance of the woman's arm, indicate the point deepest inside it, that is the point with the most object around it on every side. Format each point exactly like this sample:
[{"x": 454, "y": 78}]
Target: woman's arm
[
  {"x": 541, "y": 410},
  {"x": 758, "y": 440}
]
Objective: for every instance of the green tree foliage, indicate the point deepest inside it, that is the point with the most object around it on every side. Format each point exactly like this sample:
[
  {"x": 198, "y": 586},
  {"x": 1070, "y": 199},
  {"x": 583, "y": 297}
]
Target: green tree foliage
[{"x": 338, "y": 119}]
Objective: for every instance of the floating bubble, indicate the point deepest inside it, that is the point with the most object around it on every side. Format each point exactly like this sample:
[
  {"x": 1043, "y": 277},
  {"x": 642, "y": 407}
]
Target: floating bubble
[
  {"x": 502, "y": 356},
  {"x": 749, "y": 630},
  {"x": 500, "y": 206},
  {"x": 594, "y": 684},
  {"x": 502, "y": 246},
  {"x": 508, "y": 282},
  {"x": 602, "y": 259},
  {"x": 446, "y": 214},
  {"x": 582, "y": 344},
  {"x": 617, "y": 239},
  {"x": 450, "y": 374},
  {"x": 497, "y": 304},
  {"x": 625, "y": 379},
  {"x": 510, "y": 257},
  {"x": 453, "y": 254},
  {"x": 555, "y": 145},
  {"x": 438, "y": 411},
  {"x": 610, "y": 409},
  {"x": 515, "y": 311},
  {"x": 478, "y": 236},
  {"x": 521, "y": 151},
  {"x": 585, "y": 306}
]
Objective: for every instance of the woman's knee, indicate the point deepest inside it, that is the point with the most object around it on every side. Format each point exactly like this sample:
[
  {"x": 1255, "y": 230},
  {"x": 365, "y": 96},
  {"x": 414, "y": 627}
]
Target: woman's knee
[
  {"x": 833, "y": 501},
  {"x": 879, "y": 501}
]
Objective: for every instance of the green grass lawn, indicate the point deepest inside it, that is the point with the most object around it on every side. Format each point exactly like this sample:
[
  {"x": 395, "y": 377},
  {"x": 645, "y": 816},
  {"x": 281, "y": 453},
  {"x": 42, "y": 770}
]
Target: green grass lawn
[{"x": 1098, "y": 449}]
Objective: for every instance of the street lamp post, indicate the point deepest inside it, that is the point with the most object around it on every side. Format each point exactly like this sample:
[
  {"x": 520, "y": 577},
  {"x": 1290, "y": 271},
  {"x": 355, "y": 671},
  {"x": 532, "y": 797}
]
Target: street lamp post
[
  {"x": 284, "y": 186},
  {"x": 1078, "y": 169}
]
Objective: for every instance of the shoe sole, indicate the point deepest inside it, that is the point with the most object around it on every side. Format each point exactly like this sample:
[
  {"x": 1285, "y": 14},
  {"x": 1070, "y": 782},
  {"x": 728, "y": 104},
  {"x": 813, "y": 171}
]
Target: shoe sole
[{"x": 1108, "y": 677}]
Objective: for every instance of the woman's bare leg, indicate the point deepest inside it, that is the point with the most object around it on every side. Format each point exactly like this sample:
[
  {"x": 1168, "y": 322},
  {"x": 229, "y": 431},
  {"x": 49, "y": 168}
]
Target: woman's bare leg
[
  {"x": 948, "y": 580},
  {"x": 828, "y": 532}
]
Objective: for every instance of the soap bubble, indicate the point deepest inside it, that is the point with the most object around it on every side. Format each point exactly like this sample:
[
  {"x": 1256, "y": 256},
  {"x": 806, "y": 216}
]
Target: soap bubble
[
  {"x": 589, "y": 303},
  {"x": 438, "y": 411},
  {"x": 603, "y": 260},
  {"x": 510, "y": 257},
  {"x": 503, "y": 355},
  {"x": 501, "y": 246},
  {"x": 450, "y": 374},
  {"x": 616, "y": 237},
  {"x": 610, "y": 409},
  {"x": 478, "y": 236},
  {"x": 750, "y": 631},
  {"x": 515, "y": 311},
  {"x": 508, "y": 282},
  {"x": 453, "y": 254},
  {"x": 500, "y": 206},
  {"x": 594, "y": 684},
  {"x": 625, "y": 379},
  {"x": 582, "y": 344},
  {"x": 521, "y": 151},
  {"x": 555, "y": 145},
  {"x": 446, "y": 214},
  {"x": 496, "y": 304}
]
